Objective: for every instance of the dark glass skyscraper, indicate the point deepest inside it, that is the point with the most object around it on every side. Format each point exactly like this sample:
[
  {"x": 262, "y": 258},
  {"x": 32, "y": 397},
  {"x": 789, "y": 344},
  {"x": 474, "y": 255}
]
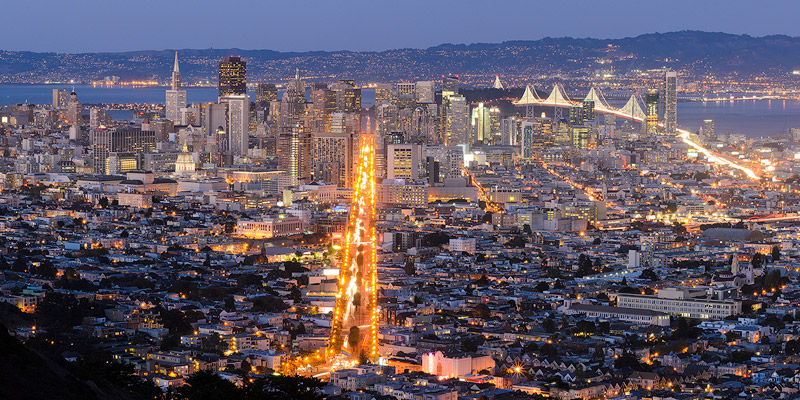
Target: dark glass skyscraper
[{"x": 232, "y": 76}]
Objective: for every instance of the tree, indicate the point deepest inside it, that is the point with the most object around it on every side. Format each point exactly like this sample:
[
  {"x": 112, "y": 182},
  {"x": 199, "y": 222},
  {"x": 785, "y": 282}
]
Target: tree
[
  {"x": 649, "y": 274},
  {"x": 678, "y": 228},
  {"x": 103, "y": 202},
  {"x": 409, "y": 268},
  {"x": 272, "y": 387},
  {"x": 685, "y": 331},
  {"x": 585, "y": 266},
  {"x": 206, "y": 385},
  {"x": 213, "y": 343},
  {"x": 518, "y": 241},
  {"x": 756, "y": 260},
  {"x": 468, "y": 345},
  {"x": 526, "y": 228},
  {"x": 481, "y": 311},
  {"x": 549, "y": 325},
  {"x": 353, "y": 337},
  {"x": 628, "y": 359},
  {"x": 542, "y": 287},
  {"x": 230, "y": 305},
  {"x": 776, "y": 253}
]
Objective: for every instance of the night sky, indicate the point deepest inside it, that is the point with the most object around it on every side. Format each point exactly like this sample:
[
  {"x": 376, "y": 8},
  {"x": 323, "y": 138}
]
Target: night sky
[{"x": 292, "y": 25}]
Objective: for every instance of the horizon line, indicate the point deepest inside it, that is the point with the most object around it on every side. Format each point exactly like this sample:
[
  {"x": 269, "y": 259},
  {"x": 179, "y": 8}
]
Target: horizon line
[{"x": 402, "y": 48}]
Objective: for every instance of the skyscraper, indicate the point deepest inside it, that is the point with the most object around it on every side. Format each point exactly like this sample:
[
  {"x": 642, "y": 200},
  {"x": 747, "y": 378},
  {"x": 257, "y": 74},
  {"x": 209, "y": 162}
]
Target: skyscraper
[
  {"x": 708, "y": 129},
  {"x": 651, "y": 111},
  {"x": 450, "y": 84},
  {"x": 238, "y": 123},
  {"x": 232, "y": 76},
  {"x": 383, "y": 94},
  {"x": 480, "y": 124},
  {"x": 402, "y": 161},
  {"x": 670, "y": 102},
  {"x": 74, "y": 110},
  {"x": 406, "y": 95},
  {"x": 97, "y": 117},
  {"x": 60, "y": 98},
  {"x": 127, "y": 140},
  {"x": 331, "y": 157},
  {"x": 266, "y": 93},
  {"x": 176, "y": 75},
  {"x": 425, "y": 92},
  {"x": 456, "y": 112},
  {"x": 176, "y": 98}
]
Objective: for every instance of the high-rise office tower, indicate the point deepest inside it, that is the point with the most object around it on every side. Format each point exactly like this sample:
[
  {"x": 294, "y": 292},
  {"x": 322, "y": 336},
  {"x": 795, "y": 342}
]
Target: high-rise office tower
[
  {"x": 580, "y": 137},
  {"x": 331, "y": 158},
  {"x": 576, "y": 114},
  {"x": 651, "y": 111},
  {"x": 588, "y": 110},
  {"x": 348, "y": 98},
  {"x": 123, "y": 140},
  {"x": 74, "y": 110},
  {"x": 480, "y": 124},
  {"x": 406, "y": 97},
  {"x": 510, "y": 130},
  {"x": 324, "y": 105},
  {"x": 232, "y": 76},
  {"x": 293, "y": 154},
  {"x": 215, "y": 118},
  {"x": 708, "y": 129},
  {"x": 402, "y": 161},
  {"x": 176, "y": 75},
  {"x": 176, "y": 98},
  {"x": 670, "y": 100},
  {"x": 456, "y": 116},
  {"x": 535, "y": 135},
  {"x": 425, "y": 92},
  {"x": 97, "y": 118},
  {"x": 450, "y": 84},
  {"x": 266, "y": 93},
  {"x": 450, "y": 159},
  {"x": 60, "y": 98},
  {"x": 494, "y": 125},
  {"x": 238, "y": 123},
  {"x": 384, "y": 94}
]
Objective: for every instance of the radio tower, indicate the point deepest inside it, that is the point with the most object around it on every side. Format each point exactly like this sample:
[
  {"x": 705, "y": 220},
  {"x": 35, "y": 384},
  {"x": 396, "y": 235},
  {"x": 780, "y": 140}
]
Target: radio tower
[{"x": 355, "y": 317}]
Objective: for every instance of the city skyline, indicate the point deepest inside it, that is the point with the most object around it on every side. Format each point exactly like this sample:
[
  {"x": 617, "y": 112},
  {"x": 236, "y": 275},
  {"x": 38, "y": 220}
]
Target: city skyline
[
  {"x": 510, "y": 20},
  {"x": 520, "y": 220}
]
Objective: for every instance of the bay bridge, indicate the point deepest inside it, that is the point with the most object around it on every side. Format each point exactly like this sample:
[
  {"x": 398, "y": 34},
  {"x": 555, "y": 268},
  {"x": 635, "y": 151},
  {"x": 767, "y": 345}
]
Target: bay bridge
[{"x": 632, "y": 110}]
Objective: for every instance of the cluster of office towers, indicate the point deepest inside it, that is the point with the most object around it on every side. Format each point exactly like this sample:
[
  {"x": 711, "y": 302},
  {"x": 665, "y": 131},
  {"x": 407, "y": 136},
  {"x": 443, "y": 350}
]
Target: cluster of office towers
[{"x": 314, "y": 130}]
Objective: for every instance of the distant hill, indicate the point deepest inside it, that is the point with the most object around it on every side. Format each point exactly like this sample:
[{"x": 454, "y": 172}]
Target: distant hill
[{"x": 693, "y": 52}]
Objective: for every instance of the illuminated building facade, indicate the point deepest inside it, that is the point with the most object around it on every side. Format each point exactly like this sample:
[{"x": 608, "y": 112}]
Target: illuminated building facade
[
  {"x": 176, "y": 98},
  {"x": 130, "y": 140},
  {"x": 232, "y": 76},
  {"x": 331, "y": 155},
  {"x": 402, "y": 161},
  {"x": 651, "y": 111},
  {"x": 670, "y": 102},
  {"x": 238, "y": 123},
  {"x": 355, "y": 317}
]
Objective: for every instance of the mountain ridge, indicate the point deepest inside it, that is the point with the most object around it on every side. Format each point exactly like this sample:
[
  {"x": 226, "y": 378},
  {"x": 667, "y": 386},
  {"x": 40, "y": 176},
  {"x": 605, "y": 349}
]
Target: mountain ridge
[{"x": 695, "y": 53}]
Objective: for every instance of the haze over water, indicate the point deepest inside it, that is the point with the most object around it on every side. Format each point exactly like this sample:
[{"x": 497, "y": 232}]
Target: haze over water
[{"x": 755, "y": 118}]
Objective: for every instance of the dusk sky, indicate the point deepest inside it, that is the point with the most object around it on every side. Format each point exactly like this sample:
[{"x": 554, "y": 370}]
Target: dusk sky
[{"x": 101, "y": 25}]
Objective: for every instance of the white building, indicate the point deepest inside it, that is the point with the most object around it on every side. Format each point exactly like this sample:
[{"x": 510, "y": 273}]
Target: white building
[
  {"x": 682, "y": 302},
  {"x": 402, "y": 161},
  {"x": 238, "y": 123},
  {"x": 456, "y": 365},
  {"x": 463, "y": 244},
  {"x": 271, "y": 227}
]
